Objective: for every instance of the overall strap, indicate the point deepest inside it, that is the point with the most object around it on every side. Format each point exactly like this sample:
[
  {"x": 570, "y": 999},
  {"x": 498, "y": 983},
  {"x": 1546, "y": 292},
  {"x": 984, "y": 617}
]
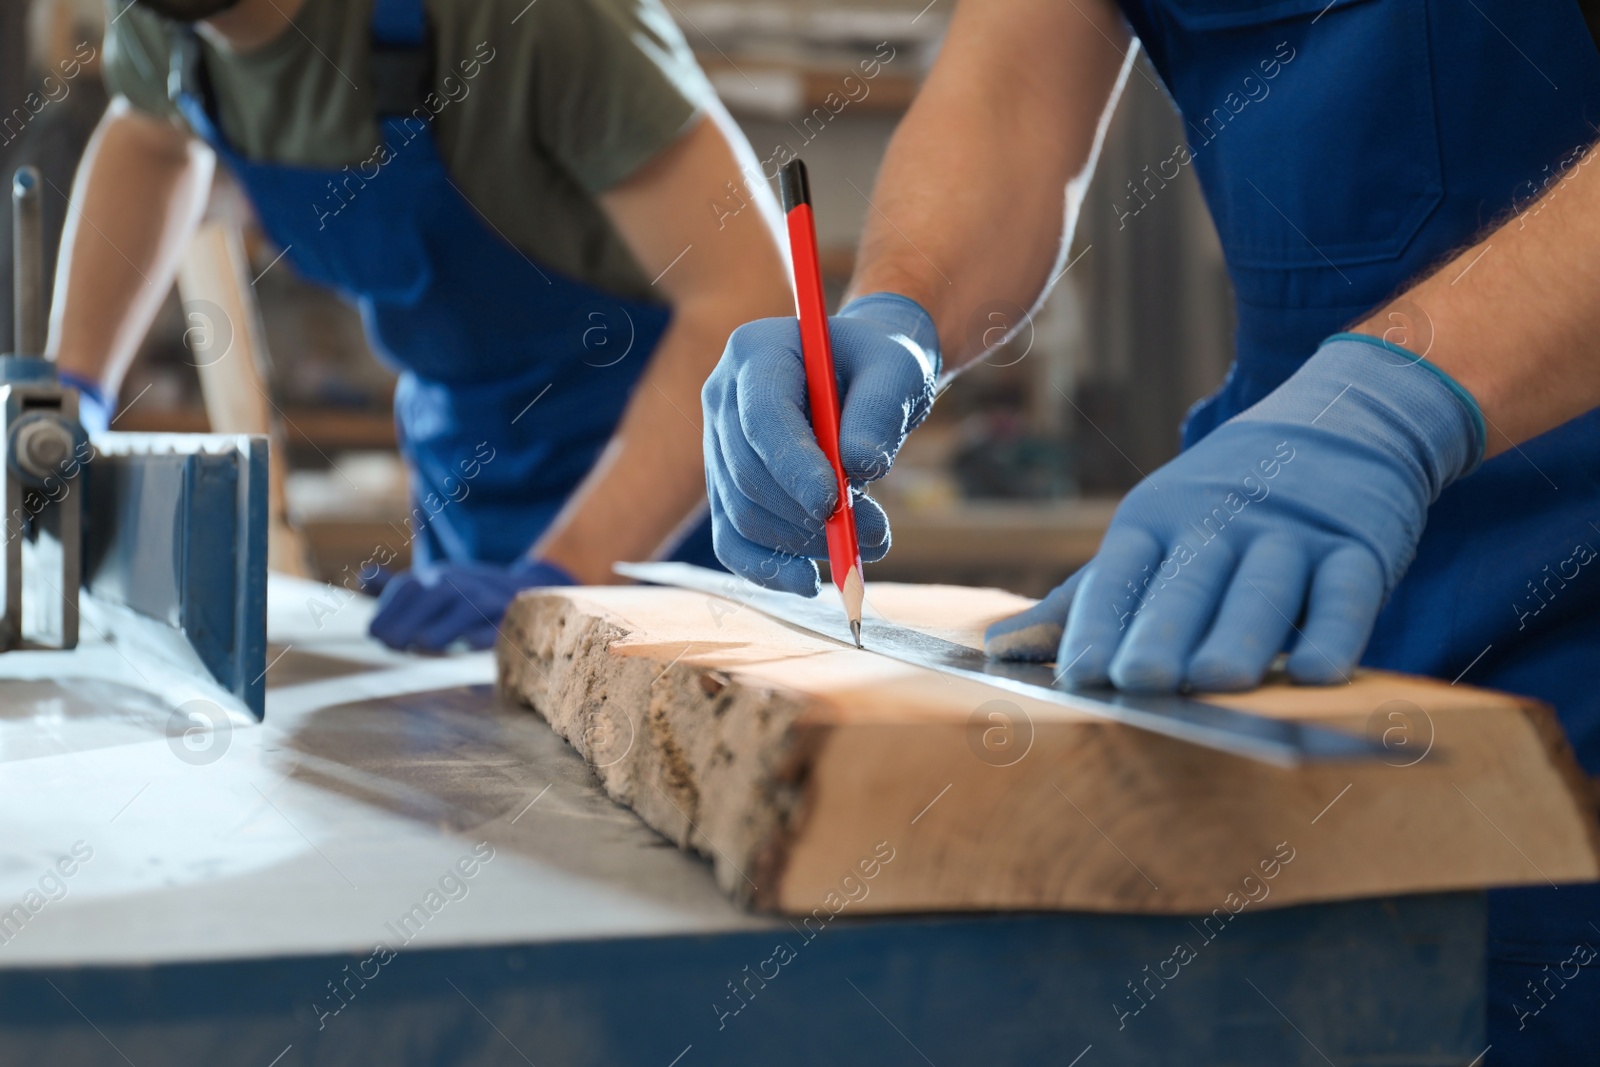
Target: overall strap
[
  {"x": 402, "y": 56},
  {"x": 187, "y": 77},
  {"x": 399, "y": 22},
  {"x": 1591, "y": 16}
]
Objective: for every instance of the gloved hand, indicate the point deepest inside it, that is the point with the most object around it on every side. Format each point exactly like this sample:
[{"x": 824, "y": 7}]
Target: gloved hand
[
  {"x": 1300, "y": 514},
  {"x": 770, "y": 487},
  {"x": 95, "y": 406},
  {"x": 427, "y": 609},
  {"x": 375, "y": 583}
]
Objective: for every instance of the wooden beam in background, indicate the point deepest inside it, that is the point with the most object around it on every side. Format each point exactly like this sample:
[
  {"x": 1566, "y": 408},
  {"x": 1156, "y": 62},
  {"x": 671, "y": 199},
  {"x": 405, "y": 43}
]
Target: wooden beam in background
[{"x": 230, "y": 349}]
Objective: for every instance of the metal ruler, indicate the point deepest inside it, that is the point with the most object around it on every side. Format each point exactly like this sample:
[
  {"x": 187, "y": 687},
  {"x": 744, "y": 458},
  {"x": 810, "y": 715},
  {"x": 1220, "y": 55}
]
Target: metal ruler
[{"x": 1240, "y": 733}]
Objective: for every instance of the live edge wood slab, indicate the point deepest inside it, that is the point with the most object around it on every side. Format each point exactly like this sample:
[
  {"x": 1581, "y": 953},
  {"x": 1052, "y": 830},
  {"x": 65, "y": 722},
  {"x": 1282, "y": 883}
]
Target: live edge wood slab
[{"x": 817, "y": 778}]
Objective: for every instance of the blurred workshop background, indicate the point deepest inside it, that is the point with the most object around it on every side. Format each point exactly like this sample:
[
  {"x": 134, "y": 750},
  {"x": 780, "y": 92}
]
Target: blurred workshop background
[{"x": 1011, "y": 481}]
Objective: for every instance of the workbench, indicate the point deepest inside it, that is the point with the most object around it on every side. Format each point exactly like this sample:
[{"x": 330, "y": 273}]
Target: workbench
[{"x": 399, "y": 868}]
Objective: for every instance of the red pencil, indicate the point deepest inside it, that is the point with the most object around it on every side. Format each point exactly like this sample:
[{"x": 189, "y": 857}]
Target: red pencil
[{"x": 822, "y": 388}]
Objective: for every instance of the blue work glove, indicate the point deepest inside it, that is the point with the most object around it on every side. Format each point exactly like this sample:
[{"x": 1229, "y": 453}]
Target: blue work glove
[
  {"x": 770, "y": 487},
  {"x": 375, "y": 583},
  {"x": 1297, "y": 517},
  {"x": 427, "y": 609},
  {"x": 95, "y": 406}
]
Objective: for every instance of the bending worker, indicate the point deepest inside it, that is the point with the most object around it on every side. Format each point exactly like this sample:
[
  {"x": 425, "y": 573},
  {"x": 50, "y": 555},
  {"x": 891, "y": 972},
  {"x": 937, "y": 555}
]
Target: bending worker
[
  {"x": 514, "y": 194},
  {"x": 1404, "y": 457}
]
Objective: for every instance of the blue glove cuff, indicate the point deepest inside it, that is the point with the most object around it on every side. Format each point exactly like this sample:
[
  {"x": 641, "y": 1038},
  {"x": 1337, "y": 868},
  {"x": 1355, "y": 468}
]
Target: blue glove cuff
[
  {"x": 905, "y": 317},
  {"x": 89, "y": 387},
  {"x": 1480, "y": 431},
  {"x": 1371, "y": 393},
  {"x": 95, "y": 405}
]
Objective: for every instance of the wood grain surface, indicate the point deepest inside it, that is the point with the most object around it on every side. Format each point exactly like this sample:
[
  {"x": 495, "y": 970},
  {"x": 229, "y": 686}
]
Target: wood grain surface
[{"x": 818, "y": 779}]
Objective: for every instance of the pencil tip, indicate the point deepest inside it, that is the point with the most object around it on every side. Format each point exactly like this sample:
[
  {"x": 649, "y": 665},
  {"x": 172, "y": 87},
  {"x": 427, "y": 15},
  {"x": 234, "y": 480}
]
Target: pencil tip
[{"x": 855, "y": 631}]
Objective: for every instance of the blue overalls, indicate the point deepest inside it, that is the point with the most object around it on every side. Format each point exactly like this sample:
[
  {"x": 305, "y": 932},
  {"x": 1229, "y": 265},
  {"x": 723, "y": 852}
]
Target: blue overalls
[
  {"x": 512, "y": 376},
  {"x": 1345, "y": 148}
]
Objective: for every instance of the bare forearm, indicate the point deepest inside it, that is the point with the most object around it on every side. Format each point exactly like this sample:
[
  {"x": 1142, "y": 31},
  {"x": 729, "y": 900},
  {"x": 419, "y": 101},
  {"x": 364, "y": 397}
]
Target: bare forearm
[
  {"x": 1514, "y": 318},
  {"x": 650, "y": 480},
  {"x": 718, "y": 271},
  {"x": 972, "y": 207},
  {"x": 139, "y": 191}
]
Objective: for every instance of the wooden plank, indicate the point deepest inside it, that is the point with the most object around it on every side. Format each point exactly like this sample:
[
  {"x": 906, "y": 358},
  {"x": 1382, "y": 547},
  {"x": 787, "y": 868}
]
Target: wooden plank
[
  {"x": 791, "y": 762},
  {"x": 213, "y": 279}
]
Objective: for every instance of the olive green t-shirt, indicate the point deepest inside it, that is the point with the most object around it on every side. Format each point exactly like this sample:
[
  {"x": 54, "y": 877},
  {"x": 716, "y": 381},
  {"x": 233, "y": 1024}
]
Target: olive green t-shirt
[{"x": 540, "y": 106}]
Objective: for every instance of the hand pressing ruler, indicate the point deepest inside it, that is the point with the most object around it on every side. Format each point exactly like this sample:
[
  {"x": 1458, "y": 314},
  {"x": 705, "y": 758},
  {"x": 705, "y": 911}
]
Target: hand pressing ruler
[{"x": 1240, "y": 733}]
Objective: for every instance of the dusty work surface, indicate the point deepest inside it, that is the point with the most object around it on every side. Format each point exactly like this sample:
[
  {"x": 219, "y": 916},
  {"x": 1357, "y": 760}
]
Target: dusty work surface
[
  {"x": 180, "y": 909},
  {"x": 797, "y": 764},
  {"x": 373, "y": 779}
]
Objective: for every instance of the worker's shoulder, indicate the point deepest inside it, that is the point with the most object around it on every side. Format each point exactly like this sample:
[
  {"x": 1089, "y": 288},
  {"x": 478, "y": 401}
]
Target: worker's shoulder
[
  {"x": 548, "y": 11},
  {"x": 645, "y": 23},
  {"x": 138, "y": 42},
  {"x": 127, "y": 21}
]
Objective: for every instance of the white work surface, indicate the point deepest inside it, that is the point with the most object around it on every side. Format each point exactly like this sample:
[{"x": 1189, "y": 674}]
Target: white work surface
[{"x": 372, "y": 776}]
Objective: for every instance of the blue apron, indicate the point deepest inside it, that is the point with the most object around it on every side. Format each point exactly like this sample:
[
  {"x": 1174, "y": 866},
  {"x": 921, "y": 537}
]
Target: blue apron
[
  {"x": 1345, "y": 148},
  {"x": 512, "y": 376}
]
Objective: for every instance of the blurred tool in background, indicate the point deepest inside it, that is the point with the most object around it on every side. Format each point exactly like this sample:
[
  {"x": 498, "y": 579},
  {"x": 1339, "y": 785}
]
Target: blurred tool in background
[{"x": 157, "y": 541}]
